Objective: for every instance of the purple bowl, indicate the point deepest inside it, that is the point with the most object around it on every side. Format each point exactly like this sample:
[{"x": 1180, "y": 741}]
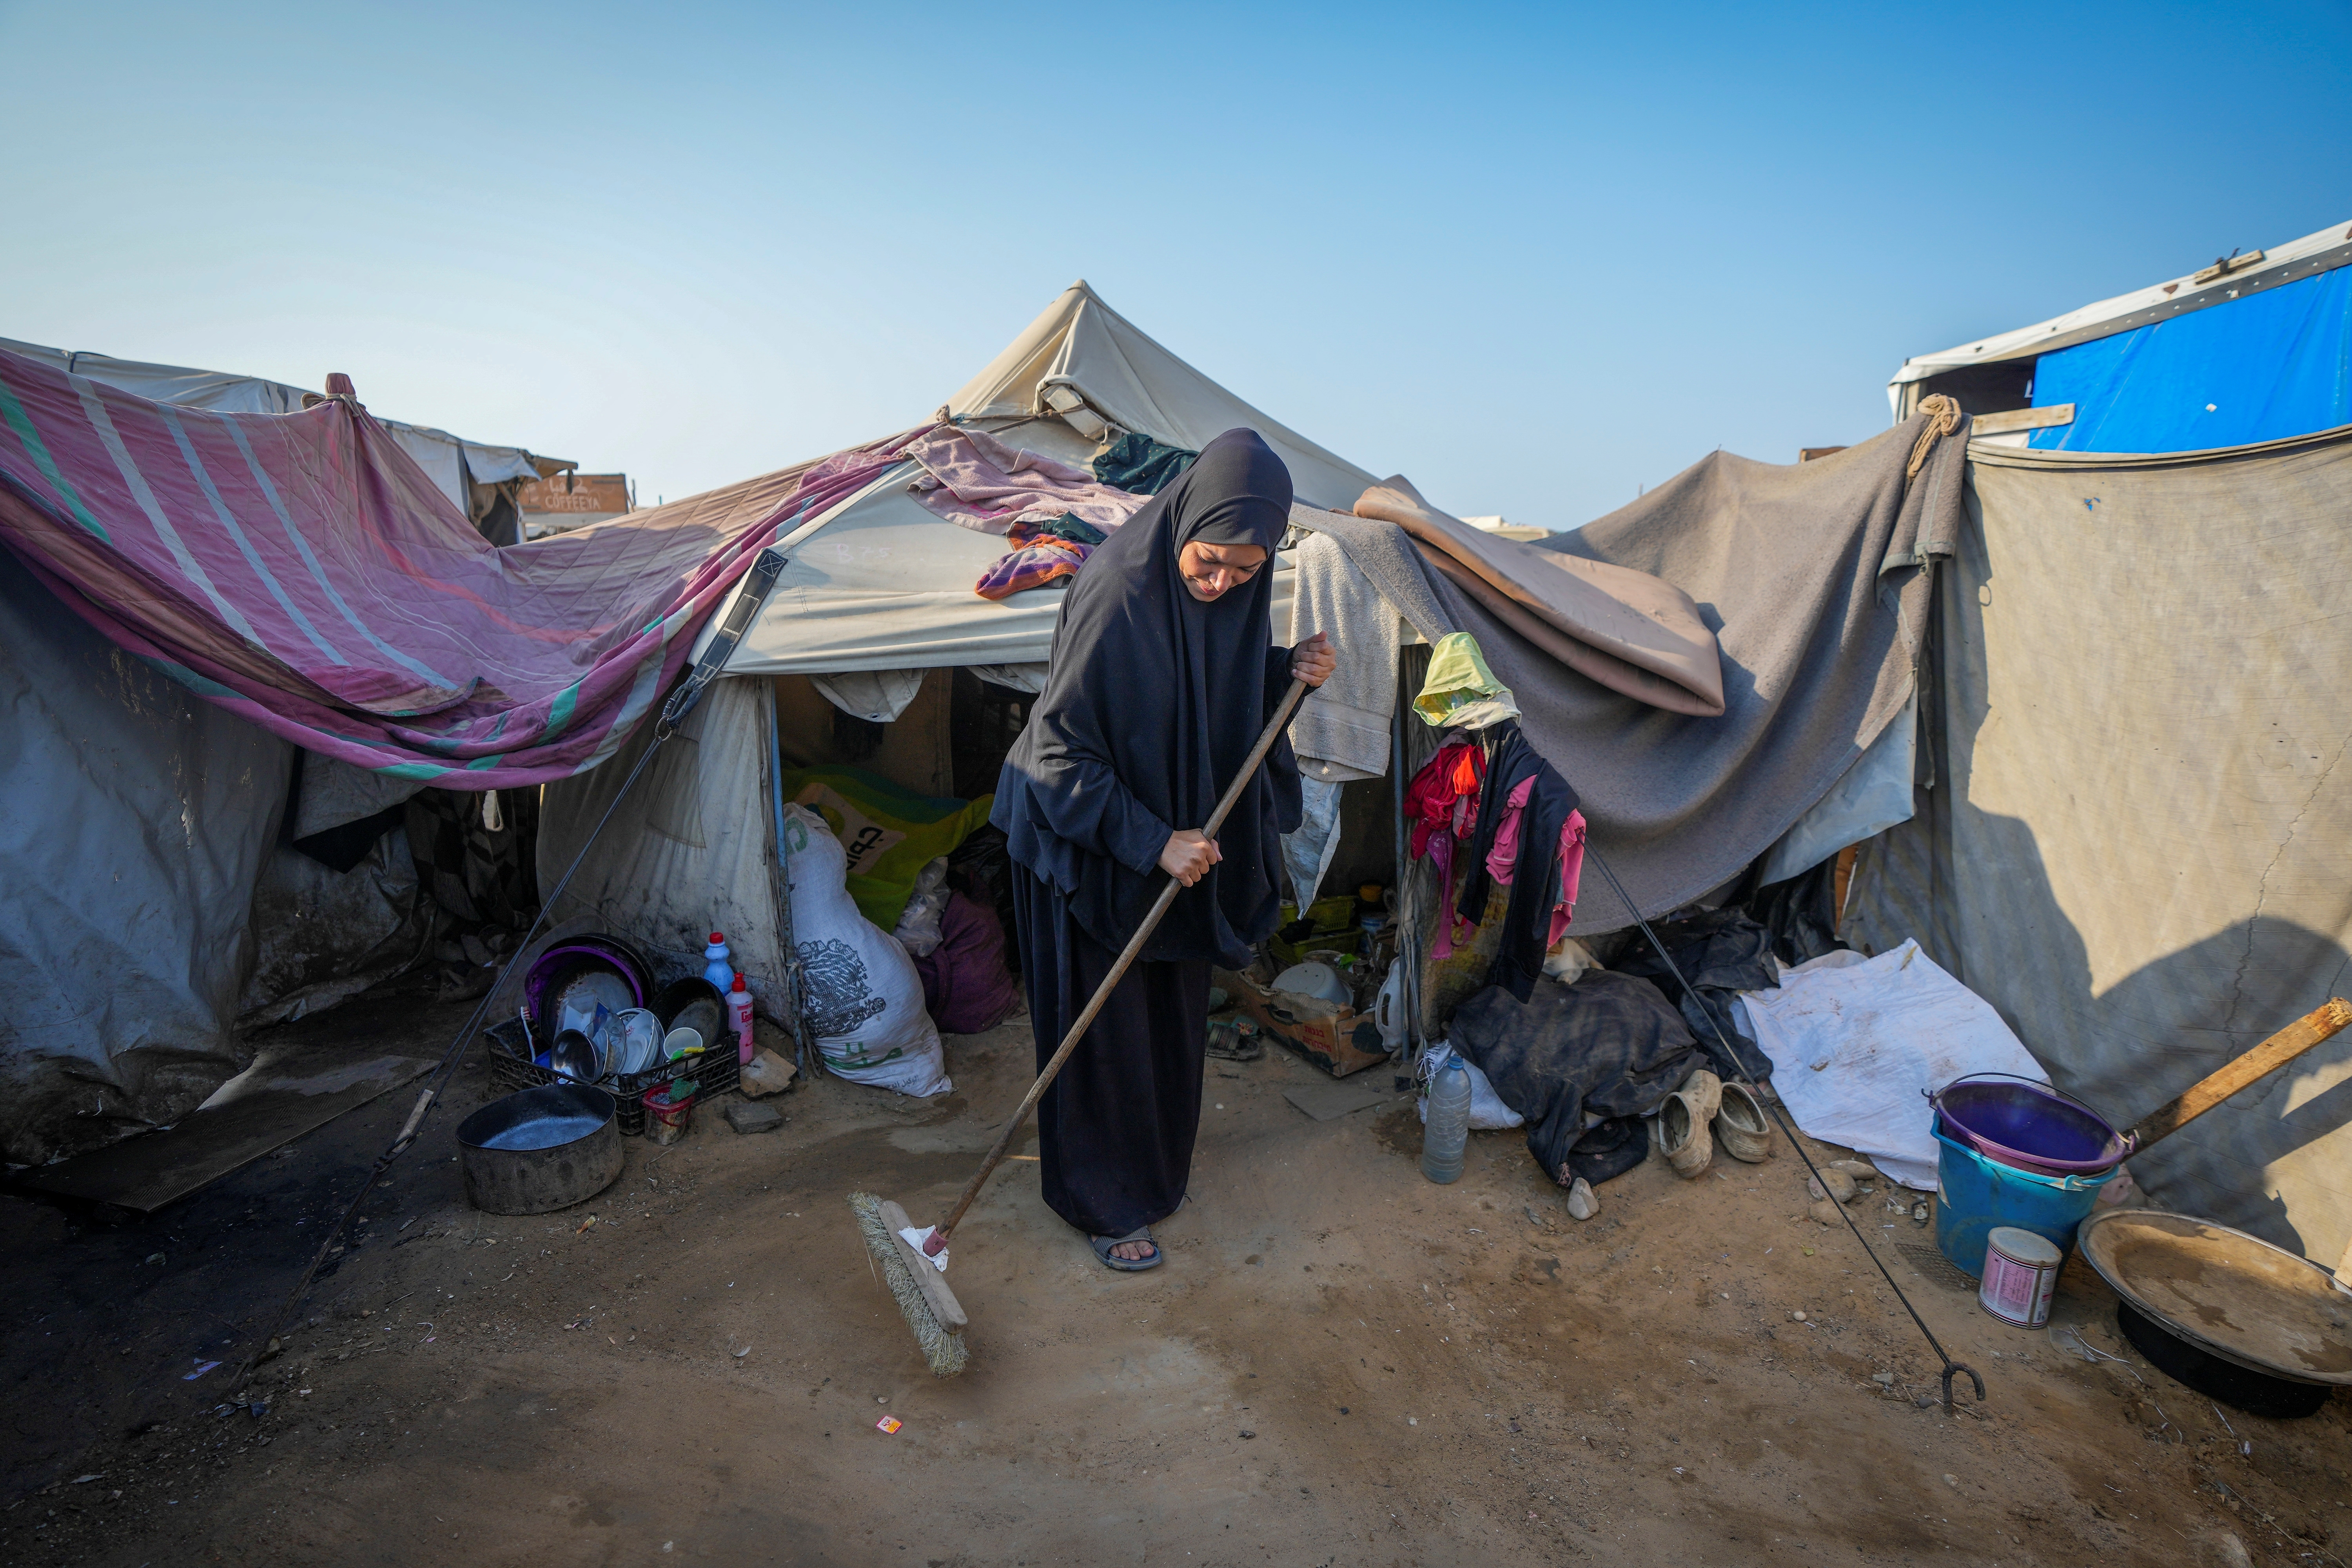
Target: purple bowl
[
  {"x": 2028, "y": 1126},
  {"x": 566, "y": 959}
]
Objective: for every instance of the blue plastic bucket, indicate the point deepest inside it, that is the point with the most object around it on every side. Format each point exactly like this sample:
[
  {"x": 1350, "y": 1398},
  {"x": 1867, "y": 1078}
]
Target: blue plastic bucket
[{"x": 1974, "y": 1195}]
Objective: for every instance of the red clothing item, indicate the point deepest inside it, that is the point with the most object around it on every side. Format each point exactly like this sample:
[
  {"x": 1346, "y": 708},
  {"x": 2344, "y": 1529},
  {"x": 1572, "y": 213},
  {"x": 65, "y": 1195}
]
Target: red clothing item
[
  {"x": 1447, "y": 785},
  {"x": 1441, "y": 804}
]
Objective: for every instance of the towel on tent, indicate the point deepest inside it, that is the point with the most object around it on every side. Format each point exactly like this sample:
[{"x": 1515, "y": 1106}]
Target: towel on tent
[
  {"x": 1341, "y": 732},
  {"x": 976, "y": 482},
  {"x": 1042, "y": 553}
]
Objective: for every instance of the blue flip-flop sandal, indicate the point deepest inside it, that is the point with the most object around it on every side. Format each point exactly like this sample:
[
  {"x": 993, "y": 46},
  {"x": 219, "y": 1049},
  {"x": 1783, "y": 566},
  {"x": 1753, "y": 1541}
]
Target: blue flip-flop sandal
[{"x": 1103, "y": 1244}]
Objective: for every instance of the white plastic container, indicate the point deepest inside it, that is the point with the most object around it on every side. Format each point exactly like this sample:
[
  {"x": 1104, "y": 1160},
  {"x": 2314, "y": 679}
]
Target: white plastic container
[{"x": 2021, "y": 1275}]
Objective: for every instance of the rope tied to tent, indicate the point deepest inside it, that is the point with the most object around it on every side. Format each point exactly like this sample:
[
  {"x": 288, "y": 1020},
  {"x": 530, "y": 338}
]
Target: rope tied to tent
[{"x": 1943, "y": 417}]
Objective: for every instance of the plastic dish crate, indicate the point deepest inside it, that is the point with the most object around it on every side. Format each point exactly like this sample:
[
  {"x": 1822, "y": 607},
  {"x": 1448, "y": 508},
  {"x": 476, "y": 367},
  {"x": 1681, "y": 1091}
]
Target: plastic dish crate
[{"x": 510, "y": 1064}]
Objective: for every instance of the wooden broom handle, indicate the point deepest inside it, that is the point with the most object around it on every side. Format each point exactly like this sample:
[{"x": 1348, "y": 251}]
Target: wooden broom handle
[
  {"x": 2261, "y": 1061},
  {"x": 1249, "y": 767}
]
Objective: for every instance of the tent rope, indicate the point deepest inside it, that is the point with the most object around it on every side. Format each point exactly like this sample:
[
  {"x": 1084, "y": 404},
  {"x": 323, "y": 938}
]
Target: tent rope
[
  {"x": 1943, "y": 417},
  {"x": 1773, "y": 1107},
  {"x": 681, "y": 702}
]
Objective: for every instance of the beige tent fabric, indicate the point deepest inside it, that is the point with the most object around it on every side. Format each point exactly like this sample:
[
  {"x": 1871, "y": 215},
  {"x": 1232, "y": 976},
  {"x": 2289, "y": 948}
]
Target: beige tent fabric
[
  {"x": 2135, "y": 843},
  {"x": 1632, "y": 632},
  {"x": 1083, "y": 344}
]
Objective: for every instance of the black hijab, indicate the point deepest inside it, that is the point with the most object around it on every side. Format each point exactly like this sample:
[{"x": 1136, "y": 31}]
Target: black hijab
[{"x": 1152, "y": 704}]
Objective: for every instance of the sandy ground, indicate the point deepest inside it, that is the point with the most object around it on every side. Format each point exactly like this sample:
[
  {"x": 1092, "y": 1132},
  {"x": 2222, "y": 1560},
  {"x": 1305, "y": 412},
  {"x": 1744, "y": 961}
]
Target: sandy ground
[{"x": 1340, "y": 1364}]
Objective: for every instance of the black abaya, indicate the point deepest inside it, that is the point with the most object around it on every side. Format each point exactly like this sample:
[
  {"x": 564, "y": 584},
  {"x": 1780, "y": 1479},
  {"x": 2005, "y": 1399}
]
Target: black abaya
[
  {"x": 1150, "y": 706},
  {"x": 1115, "y": 1132}
]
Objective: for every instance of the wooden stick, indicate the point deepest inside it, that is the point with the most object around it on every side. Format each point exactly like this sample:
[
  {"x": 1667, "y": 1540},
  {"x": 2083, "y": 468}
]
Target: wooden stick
[
  {"x": 2260, "y": 1062},
  {"x": 1266, "y": 740}
]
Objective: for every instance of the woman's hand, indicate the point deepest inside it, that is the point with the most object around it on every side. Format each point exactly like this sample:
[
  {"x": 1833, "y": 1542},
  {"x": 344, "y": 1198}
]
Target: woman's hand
[
  {"x": 1313, "y": 661},
  {"x": 1188, "y": 856}
]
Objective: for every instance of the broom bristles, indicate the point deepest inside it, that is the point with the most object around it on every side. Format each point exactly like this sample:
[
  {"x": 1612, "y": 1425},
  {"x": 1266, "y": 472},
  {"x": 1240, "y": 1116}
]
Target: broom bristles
[{"x": 942, "y": 1350}]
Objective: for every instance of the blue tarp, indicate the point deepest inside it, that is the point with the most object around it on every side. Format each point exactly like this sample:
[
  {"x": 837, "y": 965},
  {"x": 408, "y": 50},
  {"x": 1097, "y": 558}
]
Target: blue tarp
[{"x": 2272, "y": 365}]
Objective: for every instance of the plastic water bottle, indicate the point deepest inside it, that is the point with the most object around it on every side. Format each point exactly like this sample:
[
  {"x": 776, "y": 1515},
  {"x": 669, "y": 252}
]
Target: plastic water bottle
[
  {"x": 1447, "y": 1131},
  {"x": 739, "y": 1014},
  {"x": 715, "y": 967}
]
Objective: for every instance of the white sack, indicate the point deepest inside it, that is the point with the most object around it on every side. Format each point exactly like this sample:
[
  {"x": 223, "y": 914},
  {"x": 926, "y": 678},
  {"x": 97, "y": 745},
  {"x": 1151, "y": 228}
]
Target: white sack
[
  {"x": 1856, "y": 1043},
  {"x": 865, "y": 999}
]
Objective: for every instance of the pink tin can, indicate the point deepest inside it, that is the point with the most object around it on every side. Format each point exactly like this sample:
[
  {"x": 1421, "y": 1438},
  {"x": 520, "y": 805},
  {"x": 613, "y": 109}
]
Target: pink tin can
[{"x": 2021, "y": 1275}]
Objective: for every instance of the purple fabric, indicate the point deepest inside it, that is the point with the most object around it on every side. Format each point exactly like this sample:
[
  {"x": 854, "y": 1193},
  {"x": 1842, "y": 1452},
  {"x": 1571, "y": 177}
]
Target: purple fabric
[
  {"x": 972, "y": 479},
  {"x": 301, "y": 570},
  {"x": 966, "y": 987}
]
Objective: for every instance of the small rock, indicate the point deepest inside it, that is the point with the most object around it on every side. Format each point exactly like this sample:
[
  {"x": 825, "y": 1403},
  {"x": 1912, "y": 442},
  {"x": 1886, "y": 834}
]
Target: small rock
[
  {"x": 1581, "y": 1204},
  {"x": 1247, "y": 1433},
  {"x": 1832, "y": 1183},
  {"x": 1822, "y": 1211},
  {"x": 1796, "y": 1317},
  {"x": 1860, "y": 1169},
  {"x": 766, "y": 1073},
  {"x": 1951, "y": 1480},
  {"x": 1884, "y": 1379},
  {"x": 746, "y": 1116}
]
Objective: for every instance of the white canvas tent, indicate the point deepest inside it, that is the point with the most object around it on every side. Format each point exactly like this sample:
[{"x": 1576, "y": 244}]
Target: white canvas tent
[
  {"x": 880, "y": 584},
  {"x": 876, "y": 597}
]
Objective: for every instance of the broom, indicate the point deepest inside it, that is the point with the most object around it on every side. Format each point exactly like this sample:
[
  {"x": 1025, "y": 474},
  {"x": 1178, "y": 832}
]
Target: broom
[{"x": 930, "y": 1308}]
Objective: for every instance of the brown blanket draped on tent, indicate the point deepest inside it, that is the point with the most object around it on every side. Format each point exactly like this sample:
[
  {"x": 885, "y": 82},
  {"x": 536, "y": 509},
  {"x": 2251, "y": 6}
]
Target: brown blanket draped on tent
[
  {"x": 1812, "y": 580},
  {"x": 1630, "y": 631}
]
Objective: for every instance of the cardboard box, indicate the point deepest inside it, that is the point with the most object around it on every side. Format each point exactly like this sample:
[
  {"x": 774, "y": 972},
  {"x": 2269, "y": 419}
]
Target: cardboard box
[{"x": 1338, "y": 1039}]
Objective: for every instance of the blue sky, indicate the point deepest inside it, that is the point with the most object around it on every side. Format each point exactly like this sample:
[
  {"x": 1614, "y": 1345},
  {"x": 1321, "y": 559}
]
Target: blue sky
[{"x": 1534, "y": 258}]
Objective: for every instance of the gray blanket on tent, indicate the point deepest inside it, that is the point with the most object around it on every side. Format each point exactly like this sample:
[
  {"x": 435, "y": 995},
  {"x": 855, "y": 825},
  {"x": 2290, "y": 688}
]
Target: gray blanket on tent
[{"x": 1813, "y": 580}]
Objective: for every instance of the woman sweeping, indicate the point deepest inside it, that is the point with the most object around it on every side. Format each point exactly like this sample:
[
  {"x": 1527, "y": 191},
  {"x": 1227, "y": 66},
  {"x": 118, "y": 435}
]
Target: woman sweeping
[{"x": 1162, "y": 680}]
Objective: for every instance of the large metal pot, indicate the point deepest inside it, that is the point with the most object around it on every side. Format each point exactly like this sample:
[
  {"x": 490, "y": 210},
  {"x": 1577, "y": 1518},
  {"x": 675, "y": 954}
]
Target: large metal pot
[
  {"x": 540, "y": 1150},
  {"x": 2238, "y": 1320}
]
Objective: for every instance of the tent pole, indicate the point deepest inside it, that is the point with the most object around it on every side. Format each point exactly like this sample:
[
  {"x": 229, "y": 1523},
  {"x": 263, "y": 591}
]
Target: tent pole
[
  {"x": 1408, "y": 928},
  {"x": 781, "y": 882}
]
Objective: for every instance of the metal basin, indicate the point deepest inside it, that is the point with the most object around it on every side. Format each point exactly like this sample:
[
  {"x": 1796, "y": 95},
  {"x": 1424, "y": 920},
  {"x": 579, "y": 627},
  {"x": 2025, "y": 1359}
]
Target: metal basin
[
  {"x": 2250, "y": 1324},
  {"x": 540, "y": 1150}
]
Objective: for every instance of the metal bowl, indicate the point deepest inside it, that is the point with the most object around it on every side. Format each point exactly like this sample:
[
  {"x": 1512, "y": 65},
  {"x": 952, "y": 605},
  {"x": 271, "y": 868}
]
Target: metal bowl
[
  {"x": 574, "y": 1056},
  {"x": 540, "y": 1150}
]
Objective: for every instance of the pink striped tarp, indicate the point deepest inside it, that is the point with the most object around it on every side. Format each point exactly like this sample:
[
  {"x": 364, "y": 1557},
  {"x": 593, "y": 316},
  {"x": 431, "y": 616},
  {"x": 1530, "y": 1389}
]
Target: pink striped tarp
[{"x": 301, "y": 570}]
